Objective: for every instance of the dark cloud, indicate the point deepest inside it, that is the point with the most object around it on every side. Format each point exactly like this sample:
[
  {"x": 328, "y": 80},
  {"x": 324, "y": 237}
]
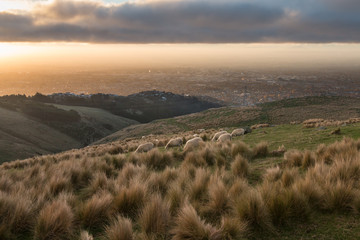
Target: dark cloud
[{"x": 186, "y": 22}]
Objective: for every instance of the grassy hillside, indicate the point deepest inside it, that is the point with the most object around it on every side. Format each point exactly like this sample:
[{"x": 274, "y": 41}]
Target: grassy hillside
[
  {"x": 29, "y": 129},
  {"x": 21, "y": 137},
  {"x": 279, "y": 112},
  {"x": 243, "y": 189}
]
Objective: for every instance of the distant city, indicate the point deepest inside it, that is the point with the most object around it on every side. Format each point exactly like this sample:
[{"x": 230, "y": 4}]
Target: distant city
[{"x": 235, "y": 87}]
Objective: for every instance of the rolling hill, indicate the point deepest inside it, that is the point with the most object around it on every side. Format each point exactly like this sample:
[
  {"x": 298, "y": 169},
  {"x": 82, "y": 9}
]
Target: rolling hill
[
  {"x": 278, "y": 112},
  {"x": 243, "y": 189},
  {"x": 40, "y": 124}
]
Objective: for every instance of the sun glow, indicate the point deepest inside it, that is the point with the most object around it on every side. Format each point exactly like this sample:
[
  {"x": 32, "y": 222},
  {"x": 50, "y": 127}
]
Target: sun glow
[
  {"x": 7, "y": 5},
  {"x": 10, "y": 50}
]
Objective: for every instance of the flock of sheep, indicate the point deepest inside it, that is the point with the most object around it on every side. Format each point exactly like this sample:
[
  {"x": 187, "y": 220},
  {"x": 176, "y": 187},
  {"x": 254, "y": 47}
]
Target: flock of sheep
[{"x": 222, "y": 136}]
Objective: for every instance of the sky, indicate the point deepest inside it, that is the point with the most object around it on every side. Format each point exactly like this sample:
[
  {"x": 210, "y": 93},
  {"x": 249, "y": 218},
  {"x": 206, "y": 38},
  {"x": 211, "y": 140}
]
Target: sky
[
  {"x": 181, "y": 21},
  {"x": 83, "y": 29}
]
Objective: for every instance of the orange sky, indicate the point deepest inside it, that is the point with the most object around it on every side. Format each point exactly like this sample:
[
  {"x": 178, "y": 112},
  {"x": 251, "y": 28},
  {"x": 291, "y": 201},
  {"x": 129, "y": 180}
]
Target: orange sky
[{"x": 22, "y": 55}]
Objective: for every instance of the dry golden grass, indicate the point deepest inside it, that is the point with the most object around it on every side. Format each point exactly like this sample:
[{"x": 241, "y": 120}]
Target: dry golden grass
[
  {"x": 201, "y": 194},
  {"x": 155, "y": 218},
  {"x": 55, "y": 221},
  {"x": 120, "y": 228},
  {"x": 240, "y": 167}
]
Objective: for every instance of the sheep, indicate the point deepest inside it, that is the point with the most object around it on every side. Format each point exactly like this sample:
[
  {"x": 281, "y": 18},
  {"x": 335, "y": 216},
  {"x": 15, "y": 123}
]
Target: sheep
[
  {"x": 175, "y": 142},
  {"x": 144, "y": 147},
  {"x": 238, "y": 132},
  {"x": 192, "y": 143},
  {"x": 217, "y": 135},
  {"x": 224, "y": 137}
]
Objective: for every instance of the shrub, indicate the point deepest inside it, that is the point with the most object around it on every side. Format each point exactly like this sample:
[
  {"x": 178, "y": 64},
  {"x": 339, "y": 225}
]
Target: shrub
[
  {"x": 55, "y": 221},
  {"x": 155, "y": 218},
  {"x": 240, "y": 167},
  {"x": 260, "y": 150},
  {"x": 120, "y": 228}
]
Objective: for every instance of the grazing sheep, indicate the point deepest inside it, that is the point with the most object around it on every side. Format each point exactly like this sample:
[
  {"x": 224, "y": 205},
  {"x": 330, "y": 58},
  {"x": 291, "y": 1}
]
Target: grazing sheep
[
  {"x": 224, "y": 137},
  {"x": 192, "y": 143},
  {"x": 175, "y": 142},
  {"x": 144, "y": 147},
  {"x": 217, "y": 135},
  {"x": 238, "y": 132}
]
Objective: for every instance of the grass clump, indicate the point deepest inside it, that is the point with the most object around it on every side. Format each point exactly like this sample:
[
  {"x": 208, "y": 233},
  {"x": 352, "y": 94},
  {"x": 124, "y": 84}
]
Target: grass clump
[
  {"x": 240, "y": 167},
  {"x": 96, "y": 212},
  {"x": 55, "y": 222},
  {"x": 120, "y": 228},
  {"x": 129, "y": 201},
  {"x": 253, "y": 210},
  {"x": 260, "y": 150},
  {"x": 155, "y": 218},
  {"x": 188, "y": 225}
]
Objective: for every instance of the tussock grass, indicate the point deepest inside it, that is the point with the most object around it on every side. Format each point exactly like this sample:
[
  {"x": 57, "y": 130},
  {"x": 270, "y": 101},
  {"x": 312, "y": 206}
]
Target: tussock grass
[
  {"x": 190, "y": 226},
  {"x": 253, "y": 210},
  {"x": 155, "y": 218},
  {"x": 55, "y": 221},
  {"x": 176, "y": 194},
  {"x": 86, "y": 236},
  {"x": 233, "y": 228},
  {"x": 260, "y": 150},
  {"x": 218, "y": 202},
  {"x": 96, "y": 212},
  {"x": 120, "y": 228},
  {"x": 240, "y": 167},
  {"x": 156, "y": 160},
  {"x": 241, "y": 148},
  {"x": 129, "y": 201}
]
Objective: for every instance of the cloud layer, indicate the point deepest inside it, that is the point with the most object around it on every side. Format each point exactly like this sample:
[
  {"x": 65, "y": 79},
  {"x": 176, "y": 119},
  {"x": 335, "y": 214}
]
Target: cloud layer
[{"x": 186, "y": 21}]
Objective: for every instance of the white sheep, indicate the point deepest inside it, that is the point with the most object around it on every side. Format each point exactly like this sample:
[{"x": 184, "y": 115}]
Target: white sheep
[
  {"x": 144, "y": 147},
  {"x": 175, "y": 142},
  {"x": 217, "y": 135},
  {"x": 238, "y": 132},
  {"x": 192, "y": 143},
  {"x": 224, "y": 137}
]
